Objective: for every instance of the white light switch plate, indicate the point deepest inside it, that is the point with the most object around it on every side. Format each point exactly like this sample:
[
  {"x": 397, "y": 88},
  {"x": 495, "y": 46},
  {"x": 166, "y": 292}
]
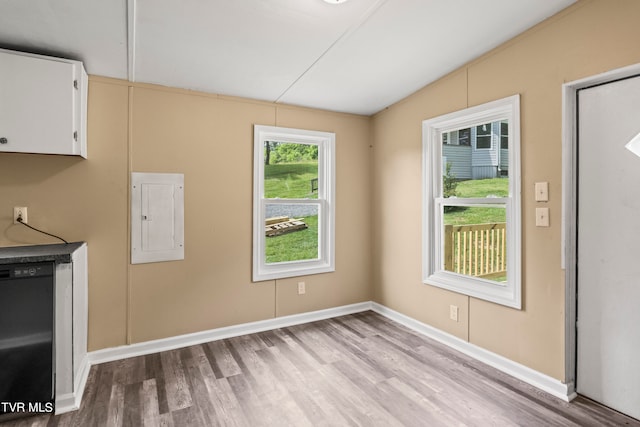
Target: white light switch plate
[
  {"x": 542, "y": 191},
  {"x": 542, "y": 217}
]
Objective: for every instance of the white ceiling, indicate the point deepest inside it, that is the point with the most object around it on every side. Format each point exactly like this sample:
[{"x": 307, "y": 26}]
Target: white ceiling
[{"x": 359, "y": 57}]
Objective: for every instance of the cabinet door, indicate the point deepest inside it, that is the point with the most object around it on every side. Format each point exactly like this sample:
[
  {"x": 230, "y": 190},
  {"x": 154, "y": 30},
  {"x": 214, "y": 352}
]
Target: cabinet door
[{"x": 37, "y": 103}]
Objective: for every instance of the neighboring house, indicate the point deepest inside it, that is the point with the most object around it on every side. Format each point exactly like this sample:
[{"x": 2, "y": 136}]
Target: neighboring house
[{"x": 478, "y": 152}]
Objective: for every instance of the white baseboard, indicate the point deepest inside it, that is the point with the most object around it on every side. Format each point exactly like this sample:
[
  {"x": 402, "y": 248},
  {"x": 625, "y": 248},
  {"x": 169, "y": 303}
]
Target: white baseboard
[
  {"x": 71, "y": 401},
  {"x": 524, "y": 373},
  {"x": 150, "y": 347},
  {"x": 521, "y": 372},
  {"x": 66, "y": 403}
]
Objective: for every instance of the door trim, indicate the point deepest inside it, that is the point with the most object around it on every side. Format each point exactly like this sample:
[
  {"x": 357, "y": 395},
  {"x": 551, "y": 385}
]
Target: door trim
[{"x": 570, "y": 208}]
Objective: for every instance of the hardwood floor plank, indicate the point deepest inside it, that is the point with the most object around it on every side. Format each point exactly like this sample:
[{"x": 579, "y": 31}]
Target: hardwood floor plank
[
  {"x": 191, "y": 360},
  {"x": 186, "y": 417},
  {"x": 178, "y": 395},
  {"x": 305, "y": 382},
  {"x": 154, "y": 370},
  {"x": 116, "y": 406},
  {"x": 297, "y": 389},
  {"x": 355, "y": 370},
  {"x": 221, "y": 359},
  {"x": 224, "y": 401},
  {"x": 314, "y": 341},
  {"x": 350, "y": 398},
  {"x": 132, "y": 415},
  {"x": 99, "y": 397},
  {"x": 150, "y": 407}
]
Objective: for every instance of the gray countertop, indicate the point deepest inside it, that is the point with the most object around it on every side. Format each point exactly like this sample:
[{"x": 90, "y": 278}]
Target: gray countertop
[{"x": 59, "y": 253}]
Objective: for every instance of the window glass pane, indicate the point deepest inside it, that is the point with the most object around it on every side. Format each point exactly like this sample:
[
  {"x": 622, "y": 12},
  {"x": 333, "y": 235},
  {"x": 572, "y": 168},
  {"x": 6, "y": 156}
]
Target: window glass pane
[
  {"x": 475, "y": 242},
  {"x": 483, "y": 136},
  {"x": 290, "y": 170},
  {"x": 464, "y": 136},
  {"x": 504, "y": 135},
  {"x": 291, "y": 232},
  {"x": 471, "y": 173},
  {"x": 503, "y": 156}
]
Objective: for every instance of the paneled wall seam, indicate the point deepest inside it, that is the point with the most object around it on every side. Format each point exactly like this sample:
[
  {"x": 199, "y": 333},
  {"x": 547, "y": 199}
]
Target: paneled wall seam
[{"x": 128, "y": 180}]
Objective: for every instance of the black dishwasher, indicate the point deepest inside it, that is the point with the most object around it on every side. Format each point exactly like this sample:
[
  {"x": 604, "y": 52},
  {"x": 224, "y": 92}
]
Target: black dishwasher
[{"x": 27, "y": 366}]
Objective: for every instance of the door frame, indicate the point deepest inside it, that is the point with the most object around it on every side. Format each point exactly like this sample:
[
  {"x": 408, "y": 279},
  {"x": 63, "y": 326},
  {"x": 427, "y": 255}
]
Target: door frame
[{"x": 570, "y": 208}]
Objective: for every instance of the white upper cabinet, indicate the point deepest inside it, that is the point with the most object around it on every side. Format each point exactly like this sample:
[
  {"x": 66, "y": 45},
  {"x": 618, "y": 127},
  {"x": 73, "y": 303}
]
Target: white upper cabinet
[{"x": 43, "y": 104}]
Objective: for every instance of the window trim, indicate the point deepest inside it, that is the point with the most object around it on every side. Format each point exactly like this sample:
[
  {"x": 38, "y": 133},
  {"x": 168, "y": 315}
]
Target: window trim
[
  {"x": 326, "y": 203},
  {"x": 509, "y": 294}
]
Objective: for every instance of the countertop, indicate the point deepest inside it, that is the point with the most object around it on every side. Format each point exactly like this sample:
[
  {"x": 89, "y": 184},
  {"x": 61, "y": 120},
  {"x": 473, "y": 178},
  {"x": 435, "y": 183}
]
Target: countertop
[{"x": 59, "y": 253}]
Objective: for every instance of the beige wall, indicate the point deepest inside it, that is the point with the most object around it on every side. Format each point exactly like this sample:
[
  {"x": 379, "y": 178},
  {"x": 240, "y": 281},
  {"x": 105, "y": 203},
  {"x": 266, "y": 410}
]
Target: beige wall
[
  {"x": 80, "y": 200},
  {"x": 146, "y": 128},
  {"x": 589, "y": 38}
]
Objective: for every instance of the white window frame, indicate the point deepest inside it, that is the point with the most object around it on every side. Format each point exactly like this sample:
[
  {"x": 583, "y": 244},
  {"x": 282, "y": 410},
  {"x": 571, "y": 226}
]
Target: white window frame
[
  {"x": 508, "y": 294},
  {"x": 325, "y": 202}
]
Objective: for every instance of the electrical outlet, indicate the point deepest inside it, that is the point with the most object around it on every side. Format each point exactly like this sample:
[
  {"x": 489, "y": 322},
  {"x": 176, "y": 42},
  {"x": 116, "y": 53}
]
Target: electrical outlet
[
  {"x": 453, "y": 312},
  {"x": 301, "y": 288},
  {"x": 20, "y": 212}
]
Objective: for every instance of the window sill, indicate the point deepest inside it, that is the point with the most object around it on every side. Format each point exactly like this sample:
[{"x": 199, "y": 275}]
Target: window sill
[{"x": 504, "y": 294}]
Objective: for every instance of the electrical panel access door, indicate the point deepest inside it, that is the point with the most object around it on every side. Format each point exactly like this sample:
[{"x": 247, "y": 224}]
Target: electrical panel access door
[{"x": 157, "y": 217}]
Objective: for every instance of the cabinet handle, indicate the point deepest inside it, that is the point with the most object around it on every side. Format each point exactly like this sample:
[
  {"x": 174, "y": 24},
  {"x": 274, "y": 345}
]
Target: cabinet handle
[{"x": 3, "y": 140}]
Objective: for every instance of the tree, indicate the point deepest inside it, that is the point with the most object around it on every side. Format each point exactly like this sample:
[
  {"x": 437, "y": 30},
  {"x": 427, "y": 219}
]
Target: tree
[
  {"x": 267, "y": 154},
  {"x": 268, "y": 147},
  {"x": 288, "y": 152},
  {"x": 449, "y": 185}
]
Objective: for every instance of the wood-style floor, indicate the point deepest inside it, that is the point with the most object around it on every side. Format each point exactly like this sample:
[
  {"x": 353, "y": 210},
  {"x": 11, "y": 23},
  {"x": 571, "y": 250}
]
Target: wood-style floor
[{"x": 356, "y": 370}]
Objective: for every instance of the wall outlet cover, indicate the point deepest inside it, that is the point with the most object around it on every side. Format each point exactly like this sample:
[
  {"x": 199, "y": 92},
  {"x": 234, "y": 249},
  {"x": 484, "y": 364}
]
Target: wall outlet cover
[{"x": 20, "y": 212}]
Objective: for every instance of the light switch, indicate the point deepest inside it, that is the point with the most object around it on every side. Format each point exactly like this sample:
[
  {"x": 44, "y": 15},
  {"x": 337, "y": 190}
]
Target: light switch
[
  {"x": 542, "y": 217},
  {"x": 542, "y": 191}
]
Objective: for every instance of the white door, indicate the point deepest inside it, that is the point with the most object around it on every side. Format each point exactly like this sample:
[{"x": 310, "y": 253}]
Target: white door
[{"x": 608, "y": 284}]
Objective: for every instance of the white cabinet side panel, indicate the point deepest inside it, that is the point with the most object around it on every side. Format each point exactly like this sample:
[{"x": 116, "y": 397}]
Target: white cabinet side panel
[
  {"x": 80, "y": 310},
  {"x": 64, "y": 329}
]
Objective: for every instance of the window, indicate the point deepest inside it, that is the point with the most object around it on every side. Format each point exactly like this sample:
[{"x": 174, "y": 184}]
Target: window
[
  {"x": 455, "y": 137},
  {"x": 471, "y": 230},
  {"x": 504, "y": 135},
  {"x": 464, "y": 136},
  {"x": 293, "y": 204},
  {"x": 483, "y": 136}
]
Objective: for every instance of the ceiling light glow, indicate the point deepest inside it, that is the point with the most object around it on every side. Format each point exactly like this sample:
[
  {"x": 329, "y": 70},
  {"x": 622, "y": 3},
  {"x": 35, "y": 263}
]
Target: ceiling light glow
[{"x": 335, "y": 1}]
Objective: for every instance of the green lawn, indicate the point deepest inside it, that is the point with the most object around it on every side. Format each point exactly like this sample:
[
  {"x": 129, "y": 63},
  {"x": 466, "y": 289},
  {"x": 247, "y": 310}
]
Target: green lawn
[
  {"x": 477, "y": 215},
  {"x": 483, "y": 188},
  {"x": 294, "y": 246},
  {"x": 290, "y": 180}
]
